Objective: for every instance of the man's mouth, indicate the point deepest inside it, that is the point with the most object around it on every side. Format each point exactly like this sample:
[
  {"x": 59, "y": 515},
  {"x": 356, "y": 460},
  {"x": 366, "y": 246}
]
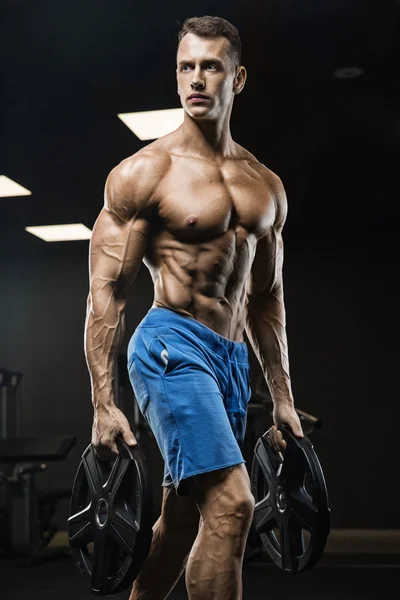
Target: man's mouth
[{"x": 198, "y": 97}]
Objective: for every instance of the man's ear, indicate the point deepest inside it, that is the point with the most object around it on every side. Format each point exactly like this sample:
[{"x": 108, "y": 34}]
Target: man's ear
[{"x": 240, "y": 79}]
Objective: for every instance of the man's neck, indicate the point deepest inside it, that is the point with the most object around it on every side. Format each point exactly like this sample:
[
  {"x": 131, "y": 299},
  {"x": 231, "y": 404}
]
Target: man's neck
[{"x": 206, "y": 138}]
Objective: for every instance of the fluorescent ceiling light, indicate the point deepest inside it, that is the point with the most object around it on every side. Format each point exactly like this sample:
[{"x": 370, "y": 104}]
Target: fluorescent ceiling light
[
  {"x": 348, "y": 72},
  {"x": 61, "y": 233},
  {"x": 8, "y": 188},
  {"x": 152, "y": 124}
]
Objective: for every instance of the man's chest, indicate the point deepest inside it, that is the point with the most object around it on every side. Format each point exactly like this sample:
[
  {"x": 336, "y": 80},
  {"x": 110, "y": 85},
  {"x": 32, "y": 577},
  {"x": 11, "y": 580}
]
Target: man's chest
[{"x": 208, "y": 200}]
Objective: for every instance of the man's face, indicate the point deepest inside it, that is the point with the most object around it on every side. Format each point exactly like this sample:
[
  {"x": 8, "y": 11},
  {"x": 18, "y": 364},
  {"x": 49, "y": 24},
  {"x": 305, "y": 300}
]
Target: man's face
[{"x": 204, "y": 67}]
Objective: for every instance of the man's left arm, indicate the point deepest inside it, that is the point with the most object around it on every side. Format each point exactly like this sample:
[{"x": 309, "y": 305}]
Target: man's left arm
[{"x": 266, "y": 321}]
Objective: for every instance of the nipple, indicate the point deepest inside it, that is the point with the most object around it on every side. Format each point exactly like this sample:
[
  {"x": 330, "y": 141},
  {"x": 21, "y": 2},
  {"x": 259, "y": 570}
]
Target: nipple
[{"x": 191, "y": 221}]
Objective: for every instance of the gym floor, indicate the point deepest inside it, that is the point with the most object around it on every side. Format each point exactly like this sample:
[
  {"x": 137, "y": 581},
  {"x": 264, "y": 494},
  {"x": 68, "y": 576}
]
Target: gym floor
[{"x": 361, "y": 564}]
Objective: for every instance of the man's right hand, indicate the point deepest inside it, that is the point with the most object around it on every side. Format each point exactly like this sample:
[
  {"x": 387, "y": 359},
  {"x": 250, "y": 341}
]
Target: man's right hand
[{"x": 109, "y": 423}]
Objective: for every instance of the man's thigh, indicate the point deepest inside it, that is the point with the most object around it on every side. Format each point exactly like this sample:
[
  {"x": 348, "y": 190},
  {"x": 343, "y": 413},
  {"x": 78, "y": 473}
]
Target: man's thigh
[
  {"x": 221, "y": 489},
  {"x": 178, "y": 513}
]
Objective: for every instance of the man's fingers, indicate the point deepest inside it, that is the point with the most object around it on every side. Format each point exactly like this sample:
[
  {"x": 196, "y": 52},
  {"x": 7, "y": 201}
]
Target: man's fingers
[
  {"x": 106, "y": 451},
  {"x": 281, "y": 442},
  {"x": 275, "y": 436},
  {"x": 296, "y": 429},
  {"x": 276, "y": 441},
  {"x": 129, "y": 438}
]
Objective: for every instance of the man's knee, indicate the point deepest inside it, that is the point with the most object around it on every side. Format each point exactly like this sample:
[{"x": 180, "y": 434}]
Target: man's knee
[
  {"x": 235, "y": 511},
  {"x": 243, "y": 505},
  {"x": 225, "y": 500}
]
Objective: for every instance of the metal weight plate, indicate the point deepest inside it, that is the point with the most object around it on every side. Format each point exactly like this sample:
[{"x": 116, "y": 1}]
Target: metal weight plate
[
  {"x": 110, "y": 527},
  {"x": 291, "y": 514}
]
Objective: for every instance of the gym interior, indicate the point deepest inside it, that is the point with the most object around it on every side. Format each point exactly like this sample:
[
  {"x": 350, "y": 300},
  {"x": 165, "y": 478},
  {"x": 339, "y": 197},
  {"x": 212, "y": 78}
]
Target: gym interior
[{"x": 320, "y": 108}]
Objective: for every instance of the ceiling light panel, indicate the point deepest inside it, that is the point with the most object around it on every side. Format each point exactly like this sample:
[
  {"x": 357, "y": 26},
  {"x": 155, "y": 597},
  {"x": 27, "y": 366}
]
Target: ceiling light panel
[
  {"x": 61, "y": 233},
  {"x": 9, "y": 188},
  {"x": 152, "y": 124}
]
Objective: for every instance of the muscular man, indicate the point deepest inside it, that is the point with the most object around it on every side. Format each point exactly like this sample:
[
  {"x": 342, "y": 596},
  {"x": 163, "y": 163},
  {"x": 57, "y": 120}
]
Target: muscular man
[{"x": 206, "y": 219}]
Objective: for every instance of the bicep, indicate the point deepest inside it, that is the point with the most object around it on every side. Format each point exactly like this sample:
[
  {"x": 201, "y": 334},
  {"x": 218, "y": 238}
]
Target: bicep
[{"x": 116, "y": 250}]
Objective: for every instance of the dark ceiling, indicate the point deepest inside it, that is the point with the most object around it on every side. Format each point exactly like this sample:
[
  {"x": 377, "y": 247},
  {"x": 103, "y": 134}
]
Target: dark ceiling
[{"x": 70, "y": 66}]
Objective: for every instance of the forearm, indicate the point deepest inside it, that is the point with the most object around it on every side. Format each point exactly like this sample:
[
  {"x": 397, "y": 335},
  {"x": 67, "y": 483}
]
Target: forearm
[
  {"x": 104, "y": 331},
  {"x": 266, "y": 330}
]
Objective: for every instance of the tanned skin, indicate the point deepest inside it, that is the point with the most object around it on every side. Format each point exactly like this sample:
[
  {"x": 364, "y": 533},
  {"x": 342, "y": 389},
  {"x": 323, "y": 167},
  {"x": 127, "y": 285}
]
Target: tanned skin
[{"x": 206, "y": 219}]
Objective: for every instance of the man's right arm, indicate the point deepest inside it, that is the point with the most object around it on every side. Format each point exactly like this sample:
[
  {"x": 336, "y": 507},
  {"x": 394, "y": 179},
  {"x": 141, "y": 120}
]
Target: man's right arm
[{"x": 117, "y": 248}]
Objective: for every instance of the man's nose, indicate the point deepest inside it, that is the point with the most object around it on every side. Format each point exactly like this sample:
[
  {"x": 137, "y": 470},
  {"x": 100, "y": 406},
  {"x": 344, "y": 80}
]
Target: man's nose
[{"x": 197, "y": 82}]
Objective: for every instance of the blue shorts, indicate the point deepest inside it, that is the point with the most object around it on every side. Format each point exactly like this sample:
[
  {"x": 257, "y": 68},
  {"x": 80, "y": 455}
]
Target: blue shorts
[{"x": 192, "y": 386}]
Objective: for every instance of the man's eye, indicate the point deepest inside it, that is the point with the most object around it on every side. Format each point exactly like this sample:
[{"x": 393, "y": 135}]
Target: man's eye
[
  {"x": 185, "y": 67},
  {"x": 211, "y": 66}
]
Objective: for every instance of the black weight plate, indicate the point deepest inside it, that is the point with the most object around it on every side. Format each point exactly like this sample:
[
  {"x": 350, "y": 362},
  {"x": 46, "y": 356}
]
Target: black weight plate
[
  {"x": 291, "y": 514},
  {"x": 110, "y": 523}
]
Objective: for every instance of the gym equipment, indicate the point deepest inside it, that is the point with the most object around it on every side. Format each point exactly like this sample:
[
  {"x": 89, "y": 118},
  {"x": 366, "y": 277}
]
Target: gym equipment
[
  {"x": 10, "y": 403},
  {"x": 308, "y": 422},
  {"x": 110, "y": 527},
  {"x": 26, "y": 514},
  {"x": 257, "y": 420},
  {"x": 291, "y": 515}
]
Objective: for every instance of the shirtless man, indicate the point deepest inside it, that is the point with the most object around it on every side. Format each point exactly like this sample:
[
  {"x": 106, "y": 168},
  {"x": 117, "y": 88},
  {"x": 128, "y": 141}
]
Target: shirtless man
[{"x": 206, "y": 219}]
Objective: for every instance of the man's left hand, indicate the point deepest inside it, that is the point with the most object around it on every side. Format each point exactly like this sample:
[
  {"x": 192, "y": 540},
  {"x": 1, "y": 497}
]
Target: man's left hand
[{"x": 286, "y": 415}]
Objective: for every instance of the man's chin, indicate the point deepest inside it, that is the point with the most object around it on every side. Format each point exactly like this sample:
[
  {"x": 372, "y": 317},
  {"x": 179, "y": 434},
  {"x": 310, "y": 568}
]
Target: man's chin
[{"x": 198, "y": 112}]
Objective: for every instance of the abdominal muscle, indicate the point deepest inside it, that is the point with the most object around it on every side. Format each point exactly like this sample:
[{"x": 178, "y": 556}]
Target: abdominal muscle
[{"x": 205, "y": 280}]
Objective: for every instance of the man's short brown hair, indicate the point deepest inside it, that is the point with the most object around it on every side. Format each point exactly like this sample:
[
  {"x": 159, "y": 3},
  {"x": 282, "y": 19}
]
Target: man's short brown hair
[{"x": 211, "y": 27}]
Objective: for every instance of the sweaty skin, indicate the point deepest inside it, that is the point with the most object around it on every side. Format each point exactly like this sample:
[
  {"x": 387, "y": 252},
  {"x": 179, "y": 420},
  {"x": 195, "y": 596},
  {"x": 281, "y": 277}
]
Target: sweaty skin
[{"x": 206, "y": 219}]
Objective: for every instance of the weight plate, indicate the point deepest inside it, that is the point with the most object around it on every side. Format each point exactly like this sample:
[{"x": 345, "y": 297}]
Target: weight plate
[
  {"x": 110, "y": 523},
  {"x": 291, "y": 514}
]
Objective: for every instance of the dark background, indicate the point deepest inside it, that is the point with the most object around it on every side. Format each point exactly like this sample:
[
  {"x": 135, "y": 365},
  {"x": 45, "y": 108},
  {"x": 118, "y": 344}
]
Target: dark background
[{"x": 68, "y": 68}]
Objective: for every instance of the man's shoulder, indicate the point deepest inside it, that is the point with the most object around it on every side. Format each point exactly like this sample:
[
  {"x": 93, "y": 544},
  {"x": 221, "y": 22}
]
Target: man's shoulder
[
  {"x": 263, "y": 170},
  {"x": 131, "y": 185},
  {"x": 151, "y": 161},
  {"x": 272, "y": 181}
]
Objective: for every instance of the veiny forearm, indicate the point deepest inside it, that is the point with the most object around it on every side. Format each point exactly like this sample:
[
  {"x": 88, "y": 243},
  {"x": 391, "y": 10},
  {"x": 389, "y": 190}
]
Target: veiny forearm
[
  {"x": 266, "y": 330},
  {"x": 104, "y": 331}
]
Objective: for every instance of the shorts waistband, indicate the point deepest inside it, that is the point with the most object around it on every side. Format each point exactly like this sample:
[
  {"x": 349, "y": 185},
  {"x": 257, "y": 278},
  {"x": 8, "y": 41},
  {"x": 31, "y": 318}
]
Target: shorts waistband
[{"x": 165, "y": 317}]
